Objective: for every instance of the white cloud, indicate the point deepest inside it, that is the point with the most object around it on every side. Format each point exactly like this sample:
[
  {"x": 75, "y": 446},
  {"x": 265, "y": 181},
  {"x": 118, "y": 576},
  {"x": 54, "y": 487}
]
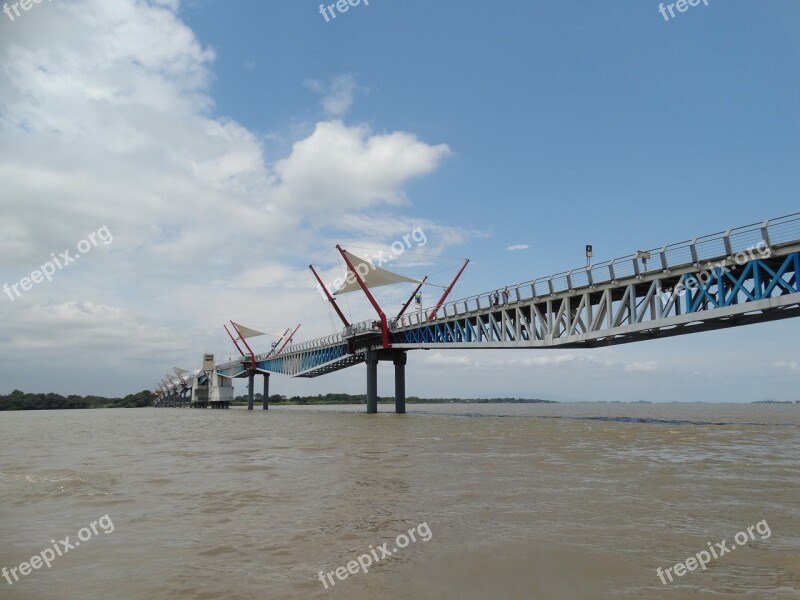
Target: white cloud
[
  {"x": 641, "y": 366},
  {"x": 514, "y": 247},
  {"x": 787, "y": 365},
  {"x": 340, "y": 168},
  {"x": 548, "y": 359},
  {"x": 106, "y": 119},
  {"x": 338, "y": 94},
  {"x": 440, "y": 359}
]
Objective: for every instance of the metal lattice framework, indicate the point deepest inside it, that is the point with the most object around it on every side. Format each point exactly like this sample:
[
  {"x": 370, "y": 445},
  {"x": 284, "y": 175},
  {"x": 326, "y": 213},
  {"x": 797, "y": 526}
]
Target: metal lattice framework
[
  {"x": 308, "y": 359},
  {"x": 614, "y": 313},
  {"x": 736, "y": 277}
]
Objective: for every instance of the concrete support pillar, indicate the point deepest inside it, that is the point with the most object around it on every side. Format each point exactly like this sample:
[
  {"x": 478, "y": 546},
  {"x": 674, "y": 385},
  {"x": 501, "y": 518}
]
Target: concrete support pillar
[
  {"x": 250, "y": 387},
  {"x": 266, "y": 391},
  {"x": 372, "y": 381},
  {"x": 400, "y": 383}
]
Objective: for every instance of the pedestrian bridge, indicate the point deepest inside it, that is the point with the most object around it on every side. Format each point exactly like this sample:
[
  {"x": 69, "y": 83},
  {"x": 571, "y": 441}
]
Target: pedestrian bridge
[{"x": 741, "y": 276}]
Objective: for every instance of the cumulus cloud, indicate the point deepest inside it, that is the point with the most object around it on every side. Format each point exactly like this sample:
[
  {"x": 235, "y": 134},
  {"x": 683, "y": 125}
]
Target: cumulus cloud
[
  {"x": 340, "y": 168},
  {"x": 107, "y": 119}
]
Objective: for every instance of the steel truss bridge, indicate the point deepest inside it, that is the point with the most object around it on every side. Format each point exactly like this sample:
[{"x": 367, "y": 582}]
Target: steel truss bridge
[{"x": 741, "y": 276}]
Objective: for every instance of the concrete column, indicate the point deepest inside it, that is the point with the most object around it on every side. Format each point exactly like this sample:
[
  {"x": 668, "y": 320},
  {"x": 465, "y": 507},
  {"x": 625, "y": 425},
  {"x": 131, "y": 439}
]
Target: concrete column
[
  {"x": 400, "y": 383},
  {"x": 250, "y": 388},
  {"x": 266, "y": 391},
  {"x": 372, "y": 381}
]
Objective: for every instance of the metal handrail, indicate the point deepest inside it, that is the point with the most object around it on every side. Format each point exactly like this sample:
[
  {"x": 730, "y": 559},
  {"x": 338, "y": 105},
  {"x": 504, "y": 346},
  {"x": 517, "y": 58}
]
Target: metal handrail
[{"x": 725, "y": 244}]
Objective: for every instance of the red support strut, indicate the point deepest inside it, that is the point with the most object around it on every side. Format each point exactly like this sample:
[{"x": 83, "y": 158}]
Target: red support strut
[
  {"x": 381, "y": 314},
  {"x": 233, "y": 339},
  {"x": 249, "y": 349},
  {"x": 449, "y": 289},
  {"x": 330, "y": 298},
  {"x": 288, "y": 340},
  {"x": 414, "y": 293}
]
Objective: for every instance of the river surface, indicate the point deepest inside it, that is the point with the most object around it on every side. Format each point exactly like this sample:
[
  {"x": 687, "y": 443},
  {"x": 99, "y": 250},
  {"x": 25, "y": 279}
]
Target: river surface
[{"x": 562, "y": 501}]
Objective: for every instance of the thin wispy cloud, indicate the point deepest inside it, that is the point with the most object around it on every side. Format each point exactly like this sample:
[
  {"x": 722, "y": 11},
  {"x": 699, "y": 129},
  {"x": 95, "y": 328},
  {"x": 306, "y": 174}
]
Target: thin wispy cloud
[
  {"x": 641, "y": 366},
  {"x": 338, "y": 94},
  {"x": 787, "y": 365},
  {"x": 515, "y": 247},
  {"x": 439, "y": 359}
]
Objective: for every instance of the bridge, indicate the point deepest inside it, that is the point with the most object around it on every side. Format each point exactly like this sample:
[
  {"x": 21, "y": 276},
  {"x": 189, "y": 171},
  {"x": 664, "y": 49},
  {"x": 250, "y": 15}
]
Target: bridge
[{"x": 741, "y": 276}]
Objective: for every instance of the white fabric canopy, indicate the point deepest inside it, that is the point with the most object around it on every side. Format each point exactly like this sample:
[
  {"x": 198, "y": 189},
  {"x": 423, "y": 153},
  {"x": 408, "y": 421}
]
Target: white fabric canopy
[
  {"x": 371, "y": 275},
  {"x": 246, "y": 332}
]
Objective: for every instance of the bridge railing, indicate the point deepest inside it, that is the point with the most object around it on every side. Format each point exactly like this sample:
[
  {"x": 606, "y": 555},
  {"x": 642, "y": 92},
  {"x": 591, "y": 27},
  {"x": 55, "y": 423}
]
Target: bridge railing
[
  {"x": 757, "y": 236},
  {"x": 765, "y": 236},
  {"x": 323, "y": 342}
]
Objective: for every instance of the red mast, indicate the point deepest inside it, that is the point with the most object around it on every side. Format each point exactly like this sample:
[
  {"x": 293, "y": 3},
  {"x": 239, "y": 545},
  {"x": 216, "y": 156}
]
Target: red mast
[
  {"x": 289, "y": 339},
  {"x": 414, "y": 293},
  {"x": 381, "y": 314},
  {"x": 330, "y": 298},
  {"x": 449, "y": 289},
  {"x": 249, "y": 349}
]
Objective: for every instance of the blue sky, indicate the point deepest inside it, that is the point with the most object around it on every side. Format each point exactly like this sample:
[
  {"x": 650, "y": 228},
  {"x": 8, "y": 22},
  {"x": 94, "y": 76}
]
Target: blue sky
[{"x": 228, "y": 144}]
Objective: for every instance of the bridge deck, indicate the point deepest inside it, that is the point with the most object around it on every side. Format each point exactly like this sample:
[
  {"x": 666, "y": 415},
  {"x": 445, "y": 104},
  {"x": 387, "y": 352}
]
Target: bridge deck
[{"x": 733, "y": 278}]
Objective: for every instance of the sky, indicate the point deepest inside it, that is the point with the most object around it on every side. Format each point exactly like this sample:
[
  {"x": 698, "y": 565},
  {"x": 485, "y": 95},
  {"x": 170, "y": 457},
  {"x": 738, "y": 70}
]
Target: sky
[{"x": 197, "y": 156}]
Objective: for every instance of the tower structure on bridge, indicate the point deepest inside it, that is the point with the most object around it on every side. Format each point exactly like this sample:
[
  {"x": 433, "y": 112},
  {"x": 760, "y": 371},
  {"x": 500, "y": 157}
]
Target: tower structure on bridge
[
  {"x": 243, "y": 333},
  {"x": 220, "y": 386},
  {"x": 364, "y": 275},
  {"x": 741, "y": 276}
]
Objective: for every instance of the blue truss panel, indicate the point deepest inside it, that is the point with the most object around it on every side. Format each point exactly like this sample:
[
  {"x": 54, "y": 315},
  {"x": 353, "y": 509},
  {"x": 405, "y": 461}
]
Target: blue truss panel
[
  {"x": 757, "y": 281},
  {"x": 777, "y": 277},
  {"x": 738, "y": 286}
]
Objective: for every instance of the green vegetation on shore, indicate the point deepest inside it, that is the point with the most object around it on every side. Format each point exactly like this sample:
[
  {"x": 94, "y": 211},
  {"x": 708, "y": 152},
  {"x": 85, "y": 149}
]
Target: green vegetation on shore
[
  {"x": 18, "y": 400},
  {"x": 362, "y": 399}
]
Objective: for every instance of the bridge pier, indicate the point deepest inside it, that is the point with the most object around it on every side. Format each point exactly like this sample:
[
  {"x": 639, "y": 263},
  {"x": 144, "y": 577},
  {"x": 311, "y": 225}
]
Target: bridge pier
[
  {"x": 400, "y": 383},
  {"x": 266, "y": 391},
  {"x": 398, "y": 357},
  {"x": 250, "y": 388},
  {"x": 372, "y": 381}
]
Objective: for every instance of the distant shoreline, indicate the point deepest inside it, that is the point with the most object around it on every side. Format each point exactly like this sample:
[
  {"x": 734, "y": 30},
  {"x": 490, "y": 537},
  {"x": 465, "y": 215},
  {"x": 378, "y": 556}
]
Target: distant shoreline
[
  {"x": 18, "y": 400},
  {"x": 330, "y": 399}
]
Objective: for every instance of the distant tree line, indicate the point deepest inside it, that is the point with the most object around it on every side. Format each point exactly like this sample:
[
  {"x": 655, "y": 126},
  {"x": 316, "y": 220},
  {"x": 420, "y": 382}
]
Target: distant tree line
[
  {"x": 362, "y": 399},
  {"x": 18, "y": 400}
]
